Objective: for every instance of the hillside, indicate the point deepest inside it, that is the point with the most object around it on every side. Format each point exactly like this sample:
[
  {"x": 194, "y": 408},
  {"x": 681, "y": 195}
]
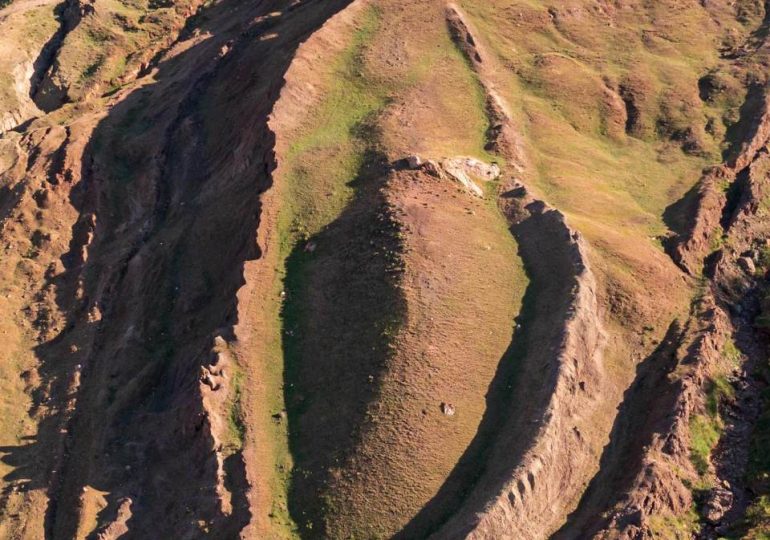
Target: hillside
[{"x": 362, "y": 269}]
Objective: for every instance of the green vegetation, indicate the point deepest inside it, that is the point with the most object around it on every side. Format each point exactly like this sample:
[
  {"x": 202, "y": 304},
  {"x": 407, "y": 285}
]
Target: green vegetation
[
  {"x": 317, "y": 177},
  {"x": 719, "y": 390},
  {"x": 330, "y": 176},
  {"x": 97, "y": 52},
  {"x": 675, "y": 527},
  {"x": 334, "y": 142},
  {"x": 235, "y": 424},
  {"x": 731, "y": 352},
  {"x": 756, "y": 523},
  {"x": 627, "y": 126},
  {"x": 705, "y": 431},
  {"x": 91, "y": 70},
  {"x": 333, "y": 158},
  {"x": 757, "y": 520},
  {"x": 479, "y": 104}
]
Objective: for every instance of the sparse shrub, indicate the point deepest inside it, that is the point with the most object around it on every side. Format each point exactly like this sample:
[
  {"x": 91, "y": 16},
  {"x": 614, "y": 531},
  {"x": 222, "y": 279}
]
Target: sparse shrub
[
  {"x": 758, "y": 519},
  {"x": 731, "y": 354},
  {"x": 663, "y": 526}
]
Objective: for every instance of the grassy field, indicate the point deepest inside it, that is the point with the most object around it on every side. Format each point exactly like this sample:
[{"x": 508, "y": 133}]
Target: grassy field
[{"x": 621, "y": 109}]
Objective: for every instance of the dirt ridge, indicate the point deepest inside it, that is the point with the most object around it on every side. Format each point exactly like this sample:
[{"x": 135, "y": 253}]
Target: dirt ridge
[
  {"x": 530, "y": 481},
  {"x": 689, "y": 250}
]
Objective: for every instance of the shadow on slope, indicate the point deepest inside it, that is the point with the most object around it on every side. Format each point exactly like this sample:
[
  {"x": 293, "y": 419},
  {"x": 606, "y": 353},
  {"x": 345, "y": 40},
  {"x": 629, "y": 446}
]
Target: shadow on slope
[
  {"x": 342, "y": 308},
  {"x": 169, "y": 204}
]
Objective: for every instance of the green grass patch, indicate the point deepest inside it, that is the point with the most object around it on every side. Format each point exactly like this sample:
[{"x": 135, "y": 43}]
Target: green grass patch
[
  {"x": 325, "y": 158},
  {"x": 718, "y": 391},
  {"x": 731, "y": 352},
  {"x": 236, "y": 428},
  {"x": 679, "y": 527},
  {"x": 91, "y": 70},
  {"x": 705, "y": 431},
  {"x": 479, "y": 102},
  {"x": 758, "y": 519}
]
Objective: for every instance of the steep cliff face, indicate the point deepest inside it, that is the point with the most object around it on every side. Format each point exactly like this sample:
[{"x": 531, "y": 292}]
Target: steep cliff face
[{"x": 335, "y": 269}]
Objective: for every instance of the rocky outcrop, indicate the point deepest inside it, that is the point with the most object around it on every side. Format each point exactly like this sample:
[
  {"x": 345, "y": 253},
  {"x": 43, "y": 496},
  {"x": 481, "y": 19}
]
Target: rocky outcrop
[
  {"x": 658, "y": 496},
  {"x": 659, "y": 487},
  {"x": 689, "y": 250},
  {"x": 465, "y": 171},
  {"x": 24, "y": 107},
  {"x": 704, "y": 230}
]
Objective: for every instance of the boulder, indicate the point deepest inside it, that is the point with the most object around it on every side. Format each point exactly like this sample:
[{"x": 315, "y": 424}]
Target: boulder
[
  {"x": 747, "y": 264},
  {"x": 448, "y": 409},
  {"x": 719, "y": 502}
]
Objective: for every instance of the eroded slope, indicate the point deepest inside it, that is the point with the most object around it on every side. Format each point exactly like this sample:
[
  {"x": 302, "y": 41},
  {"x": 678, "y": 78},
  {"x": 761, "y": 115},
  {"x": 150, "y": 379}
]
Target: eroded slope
[{"x": 383, "y": 269}]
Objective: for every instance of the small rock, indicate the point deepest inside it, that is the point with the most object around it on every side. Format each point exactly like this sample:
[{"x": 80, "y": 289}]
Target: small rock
[
  {"x": 747, "y": 264},
  {"x": 42, "y": 198},
  {"x": 310, "y": 247},
  {"x": 208, "y": 380},
  {"x": 448, "y": 409},
  {"x": 718, "y": 503},
  {"x": 413, "y": 162},
  {"x": 433, "y": 168}
]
